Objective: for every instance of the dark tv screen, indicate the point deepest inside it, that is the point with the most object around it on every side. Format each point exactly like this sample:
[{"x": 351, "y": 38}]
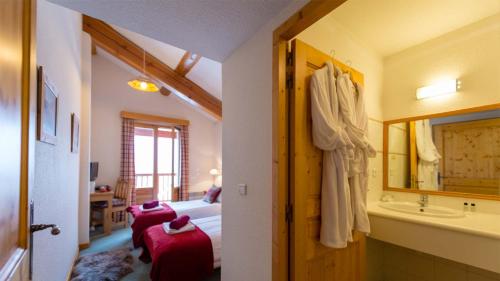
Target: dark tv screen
[{"x": 94, "y": 170}]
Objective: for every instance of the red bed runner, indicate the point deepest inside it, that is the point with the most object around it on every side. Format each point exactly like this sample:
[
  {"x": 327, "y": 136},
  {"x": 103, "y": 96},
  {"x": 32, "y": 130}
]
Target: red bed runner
[
  {"x": 185, "y": 256},
  {"x": 144, "y": 220}
]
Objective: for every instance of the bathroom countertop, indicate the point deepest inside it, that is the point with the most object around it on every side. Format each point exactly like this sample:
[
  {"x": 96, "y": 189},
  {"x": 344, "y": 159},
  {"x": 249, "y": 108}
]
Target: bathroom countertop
[{"x": 481, "y": 224}]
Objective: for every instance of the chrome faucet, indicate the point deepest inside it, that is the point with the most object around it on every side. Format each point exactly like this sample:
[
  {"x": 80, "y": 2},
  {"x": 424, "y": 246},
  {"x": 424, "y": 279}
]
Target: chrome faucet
[{"x": 424, "y": 200}]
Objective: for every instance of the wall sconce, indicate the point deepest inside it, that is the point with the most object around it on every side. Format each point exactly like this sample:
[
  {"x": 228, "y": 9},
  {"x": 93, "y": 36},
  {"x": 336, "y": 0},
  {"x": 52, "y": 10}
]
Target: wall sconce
[{"x": 442, "y": 88}]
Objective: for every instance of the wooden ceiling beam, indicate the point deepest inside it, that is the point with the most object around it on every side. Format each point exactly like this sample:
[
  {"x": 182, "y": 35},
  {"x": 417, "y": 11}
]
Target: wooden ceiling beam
[
  {"x": 188, "y": 61},
  {"x": 93, "y": 48},
  {"x": 110, "y": 40}
]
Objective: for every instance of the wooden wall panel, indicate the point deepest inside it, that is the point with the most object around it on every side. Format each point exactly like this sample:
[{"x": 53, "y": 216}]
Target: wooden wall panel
[{"x": 470, "y": 156}]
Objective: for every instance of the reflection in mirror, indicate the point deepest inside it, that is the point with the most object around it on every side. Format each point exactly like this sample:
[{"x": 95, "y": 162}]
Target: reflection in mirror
[{"x": 454, "y": 153}]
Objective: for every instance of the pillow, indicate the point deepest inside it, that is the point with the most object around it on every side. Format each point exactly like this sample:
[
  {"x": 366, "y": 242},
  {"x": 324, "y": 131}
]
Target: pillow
[
  {"x": 212, "y": 194},
  {"x": 219, "y": 198}
]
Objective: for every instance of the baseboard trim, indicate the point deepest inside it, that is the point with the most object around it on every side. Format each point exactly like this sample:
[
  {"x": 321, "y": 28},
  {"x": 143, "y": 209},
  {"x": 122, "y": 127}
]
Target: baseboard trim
[
  {"x": 84, "y": 246},
  {"x": 68, "y": 275}
]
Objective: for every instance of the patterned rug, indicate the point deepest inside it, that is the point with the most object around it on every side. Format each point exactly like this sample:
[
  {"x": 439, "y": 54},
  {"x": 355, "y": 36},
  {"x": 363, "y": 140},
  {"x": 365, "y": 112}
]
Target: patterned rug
[{"x": 104, "y": 266}]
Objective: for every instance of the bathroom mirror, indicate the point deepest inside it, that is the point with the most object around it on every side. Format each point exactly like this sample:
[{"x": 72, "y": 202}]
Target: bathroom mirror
[{"x": 453, "y": 153}]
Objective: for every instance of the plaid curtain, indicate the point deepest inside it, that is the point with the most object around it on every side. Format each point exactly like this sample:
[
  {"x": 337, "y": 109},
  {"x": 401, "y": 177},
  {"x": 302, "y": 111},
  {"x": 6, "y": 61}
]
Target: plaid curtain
[
  {"x": 127, "y": 164},
  {"x": 184, "y": 142}
]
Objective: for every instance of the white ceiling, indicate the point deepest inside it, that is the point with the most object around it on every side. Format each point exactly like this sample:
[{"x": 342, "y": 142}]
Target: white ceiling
[
  {"x": 390, "y": 26},
  {"x": 212, "y": 28}
]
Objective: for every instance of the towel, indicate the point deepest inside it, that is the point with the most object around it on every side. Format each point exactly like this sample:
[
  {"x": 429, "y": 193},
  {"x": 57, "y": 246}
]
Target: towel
[
  {"x": 188, "y": 227},
  {"x": 179, "y": 222},
  {"x": 151, "y": 204},
  {"x": 157, "y": 208}
]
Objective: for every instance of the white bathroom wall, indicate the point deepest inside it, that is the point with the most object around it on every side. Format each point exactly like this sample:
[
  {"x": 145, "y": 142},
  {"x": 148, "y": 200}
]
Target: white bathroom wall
[
  {"x": 111, "y": 94},
  {"x": 56, "y": 189},
  {"x": 328, "y": 35},
  {"x": 469, "y": 54},
  {"x": 398, "y": 155}
]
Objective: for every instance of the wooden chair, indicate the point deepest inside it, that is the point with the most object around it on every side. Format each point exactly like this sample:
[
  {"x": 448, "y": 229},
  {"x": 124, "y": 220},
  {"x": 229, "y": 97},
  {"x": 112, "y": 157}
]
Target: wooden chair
[{"x": 119, "y": 214}]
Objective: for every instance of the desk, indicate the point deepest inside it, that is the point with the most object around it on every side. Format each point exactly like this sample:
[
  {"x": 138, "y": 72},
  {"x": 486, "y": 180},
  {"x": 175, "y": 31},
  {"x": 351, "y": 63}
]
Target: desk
[{"x": 108, "y": 197}]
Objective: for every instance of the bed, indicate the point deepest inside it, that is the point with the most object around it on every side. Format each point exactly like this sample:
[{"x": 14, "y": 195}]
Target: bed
[
  {"x": 188, "y": 256},
  {"x": 195, "y": 209}
]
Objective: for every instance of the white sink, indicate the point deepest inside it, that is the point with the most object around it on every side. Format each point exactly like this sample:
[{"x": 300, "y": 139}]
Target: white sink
[{"x": 414, "y": 208}]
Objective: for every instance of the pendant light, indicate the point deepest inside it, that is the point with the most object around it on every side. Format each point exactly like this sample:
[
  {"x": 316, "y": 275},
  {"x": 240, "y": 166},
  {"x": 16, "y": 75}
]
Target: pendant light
[{"x": 143, "y": 83}]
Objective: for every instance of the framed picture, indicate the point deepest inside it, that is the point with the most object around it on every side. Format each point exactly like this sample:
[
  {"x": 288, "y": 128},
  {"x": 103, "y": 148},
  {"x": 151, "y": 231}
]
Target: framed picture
[
  {"x": 75, "y": 133},
  {"x": 46, "y": 109}
]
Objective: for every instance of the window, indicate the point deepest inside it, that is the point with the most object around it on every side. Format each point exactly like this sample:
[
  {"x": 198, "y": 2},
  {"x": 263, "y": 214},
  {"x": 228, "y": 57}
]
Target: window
[{"x": 157, "y": 161}]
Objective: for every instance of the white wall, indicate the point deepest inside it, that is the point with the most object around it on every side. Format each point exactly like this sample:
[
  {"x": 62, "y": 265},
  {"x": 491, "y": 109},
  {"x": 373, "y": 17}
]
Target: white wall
[
  {"x": 111, "y": 94},
  {"x": 470, "y": 54},
  {"x": 84, "y": 200},
  {"x": 326, "y": 35},
  {"x": 247, "y": 156},
  {"x": 56, "y": 168}
]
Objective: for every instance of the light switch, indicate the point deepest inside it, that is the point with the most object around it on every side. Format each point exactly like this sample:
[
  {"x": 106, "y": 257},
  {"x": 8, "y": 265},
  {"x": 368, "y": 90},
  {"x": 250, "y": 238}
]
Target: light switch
[
  {"x": 242, "y": 189},
  {"x": 374, "y": 173}
]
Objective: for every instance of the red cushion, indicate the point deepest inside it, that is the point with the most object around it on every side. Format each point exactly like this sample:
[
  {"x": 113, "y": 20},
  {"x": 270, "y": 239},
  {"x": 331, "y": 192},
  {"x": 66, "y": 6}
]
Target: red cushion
[
  {"x": 179, "y": 222},
  {"x": 212, "y": 194},
  {"x": 150, "y": 204}
]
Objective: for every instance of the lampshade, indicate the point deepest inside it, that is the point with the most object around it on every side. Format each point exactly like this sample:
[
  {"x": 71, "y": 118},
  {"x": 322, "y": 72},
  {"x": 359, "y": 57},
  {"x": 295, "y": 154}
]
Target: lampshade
[
  {"x": 214, "y": 172},
  {"x": 144, "y": 84}
]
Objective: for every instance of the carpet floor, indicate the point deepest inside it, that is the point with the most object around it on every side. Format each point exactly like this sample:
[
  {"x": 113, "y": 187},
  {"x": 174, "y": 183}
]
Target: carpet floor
[{"x": 123, "y": 238}]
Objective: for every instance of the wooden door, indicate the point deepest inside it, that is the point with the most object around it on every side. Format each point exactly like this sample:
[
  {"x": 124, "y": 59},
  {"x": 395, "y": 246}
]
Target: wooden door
[
  {"x": 470, "y": 154},
  {"x": 16, "y": 115},
  {"x": 310, "y": 260}
]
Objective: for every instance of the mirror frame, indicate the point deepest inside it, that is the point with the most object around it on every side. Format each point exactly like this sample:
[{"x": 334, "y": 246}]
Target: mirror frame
[{"x": 385, "y": 154}]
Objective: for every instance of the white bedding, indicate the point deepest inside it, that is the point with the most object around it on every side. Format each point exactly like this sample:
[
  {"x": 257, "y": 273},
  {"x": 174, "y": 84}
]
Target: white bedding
[
  {"x": 196, "y": 209},
  {"x": 212, "y": 227}
]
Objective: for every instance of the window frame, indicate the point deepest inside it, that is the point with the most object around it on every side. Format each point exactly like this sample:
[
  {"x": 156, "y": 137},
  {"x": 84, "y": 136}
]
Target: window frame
[{"x": 154, "y": 190}]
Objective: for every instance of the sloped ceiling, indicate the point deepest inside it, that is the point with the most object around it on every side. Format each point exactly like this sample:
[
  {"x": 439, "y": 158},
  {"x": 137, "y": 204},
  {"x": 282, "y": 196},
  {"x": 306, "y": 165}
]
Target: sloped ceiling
[
  {"x": 206, "y": 73},
  {"x": 213, "y": 28},
  {"x": 133, "y": 73},
  {"x": 390, "y": 26}
]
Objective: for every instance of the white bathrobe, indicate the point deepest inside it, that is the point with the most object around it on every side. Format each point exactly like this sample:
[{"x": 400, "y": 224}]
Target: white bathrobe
[
  {"x": 352, "y": 110},
  {"x": 428, "y": 156},
  {"x": 329, "y": 135}
]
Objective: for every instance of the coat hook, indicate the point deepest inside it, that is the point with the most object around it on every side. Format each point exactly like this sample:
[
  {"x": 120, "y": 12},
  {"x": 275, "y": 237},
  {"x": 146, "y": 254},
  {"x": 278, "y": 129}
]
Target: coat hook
[
  {"x": 349, "y": 63},
  {"x": 332, "y": 53}
]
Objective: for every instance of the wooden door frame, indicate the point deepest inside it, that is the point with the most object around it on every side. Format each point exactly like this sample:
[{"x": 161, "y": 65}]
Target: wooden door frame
[{"x": 298, "y": 22}]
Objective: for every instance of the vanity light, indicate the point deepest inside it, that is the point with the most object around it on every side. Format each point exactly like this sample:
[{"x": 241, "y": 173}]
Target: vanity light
[{"x": 439, "y": 89}]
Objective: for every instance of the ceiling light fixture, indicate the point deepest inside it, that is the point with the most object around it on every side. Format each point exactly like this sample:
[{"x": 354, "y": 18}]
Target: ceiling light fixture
[
  {"x": 143, "y": 83},
  {"x": 439, "y": 89}
]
